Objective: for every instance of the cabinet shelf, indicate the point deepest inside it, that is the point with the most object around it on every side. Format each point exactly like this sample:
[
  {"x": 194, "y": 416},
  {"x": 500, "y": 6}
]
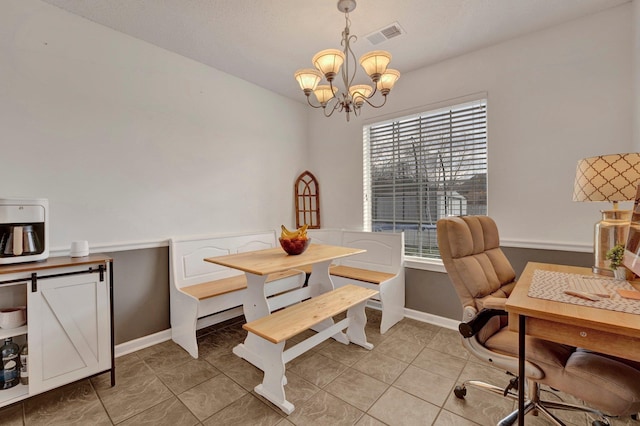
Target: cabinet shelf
[
  {"x": 15, "y": 393},
  {"x": 12, "y": 332}
]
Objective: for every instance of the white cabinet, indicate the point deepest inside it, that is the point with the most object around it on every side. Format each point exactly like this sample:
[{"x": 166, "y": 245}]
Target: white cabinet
[{"x": 69, "y": 322}]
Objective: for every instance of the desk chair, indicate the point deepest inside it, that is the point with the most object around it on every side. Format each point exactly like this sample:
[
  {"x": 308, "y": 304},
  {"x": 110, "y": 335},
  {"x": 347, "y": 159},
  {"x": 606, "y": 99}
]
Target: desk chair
[{"x": 483, "y": 279}]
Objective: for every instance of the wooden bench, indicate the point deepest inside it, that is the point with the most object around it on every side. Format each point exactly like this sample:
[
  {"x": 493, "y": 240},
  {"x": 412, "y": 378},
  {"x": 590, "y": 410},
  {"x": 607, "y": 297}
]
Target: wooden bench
[
  {"x": 203, "y": 294},
  {"x": 380, "y": 268},
  {"x": 275, "y": 329}
]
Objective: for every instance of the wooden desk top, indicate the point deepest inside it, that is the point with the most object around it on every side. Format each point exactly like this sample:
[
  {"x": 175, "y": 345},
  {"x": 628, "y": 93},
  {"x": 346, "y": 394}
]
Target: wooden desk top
[
  {"x": 265, "y": 262},
  {"x": 519, "y": 303}
]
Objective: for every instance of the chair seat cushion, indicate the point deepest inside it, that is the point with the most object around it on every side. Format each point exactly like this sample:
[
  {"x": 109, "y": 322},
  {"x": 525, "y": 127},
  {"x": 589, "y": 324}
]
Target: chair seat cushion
[
  {"x": 547, "y": 355},
  {"x": 609, "y": 384}
]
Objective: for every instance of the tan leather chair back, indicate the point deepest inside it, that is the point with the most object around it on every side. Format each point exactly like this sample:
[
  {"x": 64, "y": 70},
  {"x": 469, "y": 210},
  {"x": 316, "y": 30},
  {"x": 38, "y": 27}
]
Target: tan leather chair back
[{"x": 470, "y": 250}]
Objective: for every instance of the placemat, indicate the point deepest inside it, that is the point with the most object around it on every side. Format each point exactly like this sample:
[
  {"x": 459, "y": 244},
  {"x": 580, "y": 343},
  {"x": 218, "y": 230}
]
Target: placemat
[{"x": 550, "y": 285}]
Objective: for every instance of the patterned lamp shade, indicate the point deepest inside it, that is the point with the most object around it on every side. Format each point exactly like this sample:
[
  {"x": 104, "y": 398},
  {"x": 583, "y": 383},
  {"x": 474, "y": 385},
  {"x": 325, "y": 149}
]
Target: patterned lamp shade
[{"x": 611, "y": 177}]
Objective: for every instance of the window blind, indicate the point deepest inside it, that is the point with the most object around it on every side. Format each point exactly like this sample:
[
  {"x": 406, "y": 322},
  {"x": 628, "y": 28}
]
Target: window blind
[{"x": 422, "y": 167}]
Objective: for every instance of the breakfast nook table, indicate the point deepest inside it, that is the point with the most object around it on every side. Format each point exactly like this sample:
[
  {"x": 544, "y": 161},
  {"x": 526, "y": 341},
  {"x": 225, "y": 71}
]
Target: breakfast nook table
[{"x": 257, "y": 265}]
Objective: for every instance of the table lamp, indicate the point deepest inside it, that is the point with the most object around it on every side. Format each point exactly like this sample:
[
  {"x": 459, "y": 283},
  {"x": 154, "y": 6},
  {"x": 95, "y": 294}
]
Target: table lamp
[{"x": 610, "y": 178}]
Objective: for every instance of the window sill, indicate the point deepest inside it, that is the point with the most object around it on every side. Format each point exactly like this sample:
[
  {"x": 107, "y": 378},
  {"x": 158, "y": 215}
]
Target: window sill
[{"x": 433, "y": 265}]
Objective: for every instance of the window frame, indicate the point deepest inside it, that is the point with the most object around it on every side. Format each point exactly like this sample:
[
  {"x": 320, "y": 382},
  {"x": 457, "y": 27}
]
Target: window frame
[{"x": 419, "y": 261}]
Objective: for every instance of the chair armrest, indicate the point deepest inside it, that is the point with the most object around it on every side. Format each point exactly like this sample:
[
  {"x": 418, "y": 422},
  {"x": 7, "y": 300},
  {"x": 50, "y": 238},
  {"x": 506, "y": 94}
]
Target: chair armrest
[
  {"x": 474, "y": 325},
  {"x": 494, "y": 303}
]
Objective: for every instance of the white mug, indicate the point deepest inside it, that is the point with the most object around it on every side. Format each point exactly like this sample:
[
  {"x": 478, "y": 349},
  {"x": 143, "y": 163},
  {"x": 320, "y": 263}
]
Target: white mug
[{"x": 79, "y": 249}]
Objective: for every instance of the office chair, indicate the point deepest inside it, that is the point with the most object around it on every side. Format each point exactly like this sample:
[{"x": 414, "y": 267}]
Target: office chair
[{"x": 483, "y": 279}]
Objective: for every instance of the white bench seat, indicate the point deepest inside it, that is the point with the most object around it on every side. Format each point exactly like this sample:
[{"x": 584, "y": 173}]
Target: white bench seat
[
  {"x": 226, "y": 285},
  {"x": 359, "y": 274},
  {"x": 278, "y": 327}
]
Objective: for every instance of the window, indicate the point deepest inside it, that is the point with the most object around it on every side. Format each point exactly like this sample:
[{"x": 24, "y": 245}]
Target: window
[{"x": 422, "y": 167}]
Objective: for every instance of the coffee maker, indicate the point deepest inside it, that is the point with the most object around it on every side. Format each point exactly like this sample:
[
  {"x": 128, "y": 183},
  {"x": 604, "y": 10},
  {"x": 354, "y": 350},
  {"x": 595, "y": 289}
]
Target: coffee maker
[{"x": 24, "y": 230}]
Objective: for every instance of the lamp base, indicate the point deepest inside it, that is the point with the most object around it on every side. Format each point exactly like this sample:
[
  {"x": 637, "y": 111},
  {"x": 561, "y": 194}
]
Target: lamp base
[
  {"x": 609, "y": 232},
  {"x": 606, "y": 272}
]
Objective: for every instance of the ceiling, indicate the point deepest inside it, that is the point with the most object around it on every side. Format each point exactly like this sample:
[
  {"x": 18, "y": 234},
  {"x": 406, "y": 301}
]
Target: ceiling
[{"x": 266, "y": 41}]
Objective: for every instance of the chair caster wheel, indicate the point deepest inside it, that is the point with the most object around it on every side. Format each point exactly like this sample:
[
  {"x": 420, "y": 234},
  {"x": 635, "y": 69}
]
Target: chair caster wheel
[{"x": 460, "y": 392}]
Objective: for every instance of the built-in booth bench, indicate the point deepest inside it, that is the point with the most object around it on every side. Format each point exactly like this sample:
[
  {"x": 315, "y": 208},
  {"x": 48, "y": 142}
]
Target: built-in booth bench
[
  {"x": 203, "y": 293},
  {"x": 380, "y": 268}
]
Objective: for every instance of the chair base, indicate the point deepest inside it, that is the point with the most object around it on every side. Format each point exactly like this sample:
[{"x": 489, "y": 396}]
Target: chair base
[{"x": 535, "y": 405}]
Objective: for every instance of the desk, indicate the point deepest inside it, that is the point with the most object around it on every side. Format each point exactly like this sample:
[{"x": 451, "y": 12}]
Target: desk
[
  {"x": 258, "y": 264},
  {"x": 610, "y": 332}
]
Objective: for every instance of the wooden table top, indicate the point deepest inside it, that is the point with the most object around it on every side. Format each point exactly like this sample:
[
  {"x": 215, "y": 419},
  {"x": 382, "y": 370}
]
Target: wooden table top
[
  {"x": 566, "y": 313},
  {"x": 269, "y": 261}
]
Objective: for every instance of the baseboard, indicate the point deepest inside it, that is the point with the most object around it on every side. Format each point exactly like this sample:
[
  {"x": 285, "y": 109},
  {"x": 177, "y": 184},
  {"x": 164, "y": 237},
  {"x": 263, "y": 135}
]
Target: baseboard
[
  {"x": 142, "y": 342},
  {"x": 163, "y": 336},
  {"x": 431, "y": 319}
]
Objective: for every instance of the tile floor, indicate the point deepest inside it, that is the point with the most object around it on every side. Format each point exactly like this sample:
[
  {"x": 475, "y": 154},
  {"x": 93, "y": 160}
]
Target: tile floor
[{"x": 407, "y": 379}]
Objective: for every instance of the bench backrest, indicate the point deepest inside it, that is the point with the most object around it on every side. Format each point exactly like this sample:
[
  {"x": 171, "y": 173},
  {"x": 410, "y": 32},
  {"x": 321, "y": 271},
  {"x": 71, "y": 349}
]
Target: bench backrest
[
  {"x": 331, "y": 237},
  {"x": 385, "y": 250},
  {"x": 187, "y": 254}
]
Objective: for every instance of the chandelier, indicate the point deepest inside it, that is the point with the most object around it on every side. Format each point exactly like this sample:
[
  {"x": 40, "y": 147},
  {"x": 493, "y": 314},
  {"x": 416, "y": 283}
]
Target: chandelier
[{"x": 328, "y": 63}]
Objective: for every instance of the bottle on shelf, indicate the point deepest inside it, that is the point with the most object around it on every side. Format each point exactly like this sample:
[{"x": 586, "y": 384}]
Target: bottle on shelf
[
  {"x": 10, "y": 364},
  {"x": 24, "y": 366}
]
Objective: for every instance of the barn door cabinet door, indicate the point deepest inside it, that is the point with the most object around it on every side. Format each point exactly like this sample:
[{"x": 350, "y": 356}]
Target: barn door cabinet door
[{"x": 69, "y": 329}]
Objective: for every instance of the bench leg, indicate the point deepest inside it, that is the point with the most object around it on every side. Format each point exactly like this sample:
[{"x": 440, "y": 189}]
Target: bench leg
[
  {"x": 184, "y": 317},
  {"x": 357, "y": 321},
  {"x": 392, "y": 300},
  {"x": 272, "y": 386}
]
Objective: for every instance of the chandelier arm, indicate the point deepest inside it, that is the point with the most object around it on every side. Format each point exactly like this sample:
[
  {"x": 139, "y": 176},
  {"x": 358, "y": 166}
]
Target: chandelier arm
[
  {"x": 312, "y": 105},
  {"x": 333, "y": 92},
  {"x": 375, "y": 90},
  {"x": 334, "y": 108},
  {"x": 373, "y": 105}
]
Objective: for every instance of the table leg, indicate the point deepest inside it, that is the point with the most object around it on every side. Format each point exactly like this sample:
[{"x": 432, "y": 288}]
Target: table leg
[
  {"x": 255, "y": 306},
  {"x": 320, "y": 282},
  {"x": 521, "y": 373}
]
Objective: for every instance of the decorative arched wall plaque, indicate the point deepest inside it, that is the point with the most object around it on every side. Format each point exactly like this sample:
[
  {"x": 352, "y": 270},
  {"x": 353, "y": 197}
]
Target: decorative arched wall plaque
[{"x": 307, "y": 194}]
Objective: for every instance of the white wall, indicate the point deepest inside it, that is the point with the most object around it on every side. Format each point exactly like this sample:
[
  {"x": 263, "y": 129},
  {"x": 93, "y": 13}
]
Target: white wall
[
  {"x": 553, "y": 97},
  {"x": 130, "y": 142}
]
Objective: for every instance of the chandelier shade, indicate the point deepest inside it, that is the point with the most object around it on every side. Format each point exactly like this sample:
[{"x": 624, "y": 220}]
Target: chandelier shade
[
  {"x": 375, "y": 63},
  {"x": 328, "y": 63},
  {"x": 388, "y": 80},
  {"x": 359, "y": 93},
  {"x": 308, "y": 78},
  {"x": 325, "y": 93}
]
